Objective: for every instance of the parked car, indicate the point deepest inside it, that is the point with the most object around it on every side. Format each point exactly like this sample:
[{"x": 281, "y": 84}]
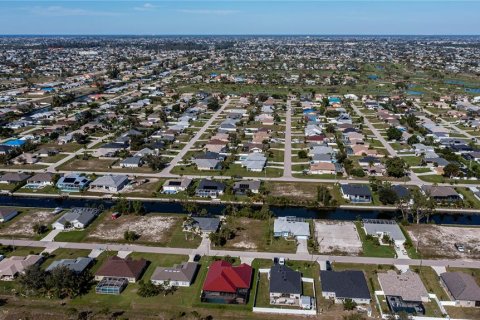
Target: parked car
[{"x": 460, "y": 247}]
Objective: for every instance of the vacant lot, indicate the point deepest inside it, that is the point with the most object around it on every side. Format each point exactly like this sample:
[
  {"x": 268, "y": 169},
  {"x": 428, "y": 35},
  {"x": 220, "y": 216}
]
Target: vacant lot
[
  {"x": 439, "y": 241},
  {"x": 337, "y": 237},
  {"x": 151, "y": 228},
  {"x": 293, "y": 190},
  {"x": 22, "y": 225},
  {"x": 251, "y": 234}
]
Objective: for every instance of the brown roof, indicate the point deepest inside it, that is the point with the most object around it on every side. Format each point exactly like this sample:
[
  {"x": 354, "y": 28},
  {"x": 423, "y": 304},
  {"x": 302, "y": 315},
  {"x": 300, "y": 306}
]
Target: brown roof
[{"x": 122, "y": 268}]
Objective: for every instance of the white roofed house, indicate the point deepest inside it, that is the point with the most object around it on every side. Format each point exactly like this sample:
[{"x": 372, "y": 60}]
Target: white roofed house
[
  {"x": 13, "y": 266},
  {"x": 291, "y": 227},
  {"x": 77, "y": 218},
  {"x": 176, "y": 185},
  {"x": 109, "y": 183},
  {"x": 255, "y": 162}
]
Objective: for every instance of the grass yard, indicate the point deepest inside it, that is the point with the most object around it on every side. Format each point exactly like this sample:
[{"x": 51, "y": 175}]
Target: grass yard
[
  {"x": 371, "y": 248},
  {"x": 431, "y": 281},
  {"x": 257, "y": 235},
  {"x": 412, "y": 161}
]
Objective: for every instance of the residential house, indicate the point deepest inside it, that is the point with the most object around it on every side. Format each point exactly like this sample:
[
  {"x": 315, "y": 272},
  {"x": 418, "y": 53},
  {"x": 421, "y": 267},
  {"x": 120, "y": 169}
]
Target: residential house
[
  {"x": 116, "y": 267},
  {"x": 208, "y": 164},
  {"x": 285, "y": 286},
  {"x": 14, "y": 177},
  {"x": 442, "y": 193},
  {"x": 174, "y": 186},
  {"x": 7, "y": 214},
  {"x": 131, "y": 162},
  {"x": 254, "y": 162},
  {"x": 217, "y": 146},
  {"x": 380, "y": 228},
  {"x": 245, "y": 187},
  {"x": 13, "y": 266},
  {"x": 404, "y": 292},
  {"x": 202, "y": 224},
  {"x": 109, "y": 183},
  {"x": 209, "y": 188},
  {"x": 72, "y": 182},
  {"x": 227, "y": 284},
  {"x": 77, "y": 218},
  {"x": 40, "y": 180},
  {"x": 322, "y": 168},
  {"x": 343, "y": 285},
  {"x": 462, "y": 288},
  {"x": 291, "y": 227},
  {"x": 25, "y": 158},
  {"x": 356, "y": 193},
  {"x": 77, "y": 265},
  {"x": 181, "y": 275}
]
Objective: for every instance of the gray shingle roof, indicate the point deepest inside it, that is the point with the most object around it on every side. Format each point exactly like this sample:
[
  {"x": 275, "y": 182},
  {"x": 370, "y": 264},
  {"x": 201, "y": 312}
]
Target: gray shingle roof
[
  {"x": 462, "y": 286},
  {"x": 75, "y": 265},
  {"x": 285, "y": 280},
  {"x": 350, "y": 284}
]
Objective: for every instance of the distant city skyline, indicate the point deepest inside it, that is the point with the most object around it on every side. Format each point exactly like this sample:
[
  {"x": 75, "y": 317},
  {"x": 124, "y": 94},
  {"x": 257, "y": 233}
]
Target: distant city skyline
[{"x": 241, "y": 17}]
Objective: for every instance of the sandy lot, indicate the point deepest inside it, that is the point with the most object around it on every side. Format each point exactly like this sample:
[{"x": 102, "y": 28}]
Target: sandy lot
[
  {"x": 246, "y": 232},
  {"x": 439, "y": 241},
  {"x": 337, "y": 237},
  {"x": 150, "y": 228},
  {"x": 294, "y": 190},
  {"x": 23, "y": 224}
]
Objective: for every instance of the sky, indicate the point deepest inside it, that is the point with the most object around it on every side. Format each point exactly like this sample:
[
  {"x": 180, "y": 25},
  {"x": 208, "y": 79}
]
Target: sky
[{"x": 314, "y": 17}]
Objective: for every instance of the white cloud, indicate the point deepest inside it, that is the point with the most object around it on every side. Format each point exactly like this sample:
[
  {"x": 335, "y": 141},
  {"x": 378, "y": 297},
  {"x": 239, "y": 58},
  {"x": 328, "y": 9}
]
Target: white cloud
[
  {"x": 217, "y": 12},
  {"x": 60, "y": 11},
  {"x": 146, "y": 7}
]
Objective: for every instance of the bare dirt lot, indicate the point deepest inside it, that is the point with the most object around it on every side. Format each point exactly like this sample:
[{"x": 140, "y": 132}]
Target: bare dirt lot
[
  {"x": 337, "y": 237},
  {"x": 150, "y": 228},
  {"x": 306, "y": 191},
  {"x": 439, "y": 241},
  {"x": 22, "y": 225}
]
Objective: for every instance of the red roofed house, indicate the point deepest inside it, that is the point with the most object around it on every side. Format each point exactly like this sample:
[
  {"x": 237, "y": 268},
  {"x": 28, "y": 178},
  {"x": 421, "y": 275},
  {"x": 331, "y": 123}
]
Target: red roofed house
[{"x": 227, "y": 284}]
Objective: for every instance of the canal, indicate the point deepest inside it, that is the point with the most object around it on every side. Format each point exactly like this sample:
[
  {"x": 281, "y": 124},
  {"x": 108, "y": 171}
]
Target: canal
[{"x": 279, "y": 211}]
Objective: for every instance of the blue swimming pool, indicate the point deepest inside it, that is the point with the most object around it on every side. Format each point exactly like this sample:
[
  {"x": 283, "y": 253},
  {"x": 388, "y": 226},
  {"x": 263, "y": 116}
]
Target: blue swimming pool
[
  {"x": 15, "y": 143},
  {"x": 472, "y": 90},
  {"x": 414, "y": 93}
]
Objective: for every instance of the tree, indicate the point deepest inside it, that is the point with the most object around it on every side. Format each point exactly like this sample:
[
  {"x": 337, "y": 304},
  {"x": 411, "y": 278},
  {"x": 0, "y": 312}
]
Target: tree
[
  {"x": 32, "y": 281},
  {"x": 148, "y": 289},
  {"x": 302, "y": 154},
  {"x": 213, "y": 104},
  {"x": 130, "y": 235},
  {"x": 80, "y": 138},
  {"x": 413, "y": 140},
  {"x": 422, "y": 205},
  {"x": 386, "y": 194},
  {"x": 324, "y": 196},
  {"x": 349, "y": 304},
  {"x": 40, "y": 228},
  {"x": 155, "y": 162},
  {"x": 451, "y": 170},
  {"x": 394, "y": 133},
  {"x": 396, "y": 167}
]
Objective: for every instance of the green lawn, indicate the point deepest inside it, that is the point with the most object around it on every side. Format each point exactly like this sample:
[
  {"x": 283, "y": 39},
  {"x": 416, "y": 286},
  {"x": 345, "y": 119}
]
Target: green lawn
[
  {"x": 431, "y": 281},
  {"x": 372, "y": 248},
  {"x": 412, "y": 161},
  {"x": 258, "y": 234}
]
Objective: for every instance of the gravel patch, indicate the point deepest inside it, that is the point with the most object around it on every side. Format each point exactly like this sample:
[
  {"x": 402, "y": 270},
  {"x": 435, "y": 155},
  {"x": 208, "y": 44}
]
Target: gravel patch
[{"x": 337, "y": 237}]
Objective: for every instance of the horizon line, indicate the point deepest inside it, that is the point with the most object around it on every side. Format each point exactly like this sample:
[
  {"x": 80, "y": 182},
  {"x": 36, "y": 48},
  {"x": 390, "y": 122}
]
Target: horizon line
[{"x": 233, "y": 34}]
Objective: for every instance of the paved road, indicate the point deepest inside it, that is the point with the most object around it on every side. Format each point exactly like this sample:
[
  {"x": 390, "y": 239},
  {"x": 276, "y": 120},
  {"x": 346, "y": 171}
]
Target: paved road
[
  {"x": 165, "y": 172},
  {"x": 414, "y": 179},
  {"x": 446, "y": 123},
  {"x": 287, "y": 158},
  {"x": 53, "y": 166},
  {"x": 242, "y": 254}
]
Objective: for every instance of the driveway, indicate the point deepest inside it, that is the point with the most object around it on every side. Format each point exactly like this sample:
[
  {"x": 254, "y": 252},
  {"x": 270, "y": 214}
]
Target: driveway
[{"x": 302, "y": 246}]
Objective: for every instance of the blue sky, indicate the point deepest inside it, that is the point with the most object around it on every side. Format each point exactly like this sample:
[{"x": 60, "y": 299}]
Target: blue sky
[{"x": 240, "y": 17}]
